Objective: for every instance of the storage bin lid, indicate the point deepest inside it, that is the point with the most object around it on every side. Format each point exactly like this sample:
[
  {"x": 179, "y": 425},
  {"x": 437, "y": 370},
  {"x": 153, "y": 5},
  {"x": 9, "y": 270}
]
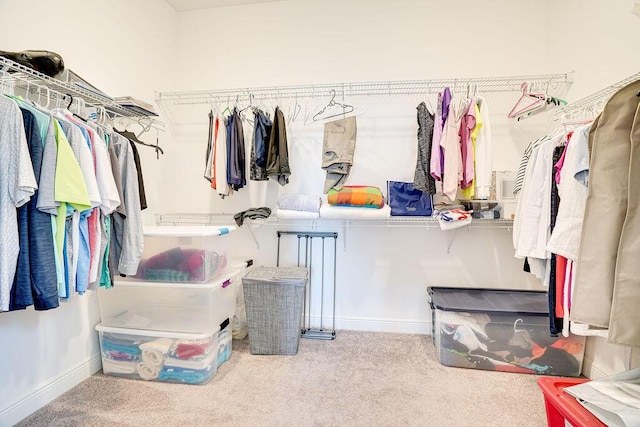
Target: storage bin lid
[
  {"x": 296, "y": 276},
  {"x": 187, "y": 230},
  {"x": 159, "y": 334},
  {"x": 489, "y": 300},
  {"x": 220, "y": 280}
]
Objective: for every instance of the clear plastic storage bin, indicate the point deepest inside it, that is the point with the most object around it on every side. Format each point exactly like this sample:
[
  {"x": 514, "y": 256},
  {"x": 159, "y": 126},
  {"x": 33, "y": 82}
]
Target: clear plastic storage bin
[
  {"x": 178, "y": 307},
  {"x": 183, "y": 253},
  {"x": 159, "y": 356},
  {"x": 500, "y": 330}
]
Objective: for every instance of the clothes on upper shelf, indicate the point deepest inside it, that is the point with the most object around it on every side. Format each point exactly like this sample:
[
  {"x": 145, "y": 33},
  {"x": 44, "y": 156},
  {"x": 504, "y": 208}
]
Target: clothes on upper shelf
[
  {"x": 64, "y": 181},
  {"x": 454, "y": 147}
]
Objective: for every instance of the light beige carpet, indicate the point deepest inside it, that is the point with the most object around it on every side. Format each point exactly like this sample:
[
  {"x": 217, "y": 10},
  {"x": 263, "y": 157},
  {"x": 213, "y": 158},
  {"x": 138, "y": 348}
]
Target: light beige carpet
[{"x": 360, "y": 379}]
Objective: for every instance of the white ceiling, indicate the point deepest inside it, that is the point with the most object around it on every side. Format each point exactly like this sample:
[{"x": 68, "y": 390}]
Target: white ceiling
[{"x": 186, "y": 5}]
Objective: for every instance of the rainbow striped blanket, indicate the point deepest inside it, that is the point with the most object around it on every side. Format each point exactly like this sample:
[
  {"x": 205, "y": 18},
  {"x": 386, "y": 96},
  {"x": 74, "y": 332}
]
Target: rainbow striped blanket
[{"x": 360, "y": 196}]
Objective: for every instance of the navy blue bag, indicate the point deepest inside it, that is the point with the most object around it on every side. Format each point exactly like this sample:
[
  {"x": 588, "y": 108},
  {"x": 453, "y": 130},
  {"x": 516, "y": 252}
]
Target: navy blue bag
[{"x": 404, "y": 200}]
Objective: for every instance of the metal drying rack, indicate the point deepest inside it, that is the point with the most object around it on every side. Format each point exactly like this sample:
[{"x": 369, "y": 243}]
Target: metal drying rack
[{"x": 310, "y": 303}]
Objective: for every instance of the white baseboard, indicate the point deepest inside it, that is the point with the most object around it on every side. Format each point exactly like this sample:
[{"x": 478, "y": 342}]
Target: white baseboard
[
  {"x": 49, "y": 390},
  {"x": 376, "y": 325}
]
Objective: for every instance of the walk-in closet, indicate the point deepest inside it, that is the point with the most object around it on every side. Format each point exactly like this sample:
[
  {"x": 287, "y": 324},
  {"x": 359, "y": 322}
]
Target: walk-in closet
[{"x": 291, "y": 212}]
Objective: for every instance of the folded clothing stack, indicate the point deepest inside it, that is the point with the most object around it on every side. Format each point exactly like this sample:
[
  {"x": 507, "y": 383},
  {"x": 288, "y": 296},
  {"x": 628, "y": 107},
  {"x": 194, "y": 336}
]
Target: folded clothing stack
[
  {"x": 163, "y": 359},
  {"x": 356, "y": 196},
  {"x": 298, "y": 206},
  {"x": 454, "y": 218},
  {"x": 182, "y": 265}
]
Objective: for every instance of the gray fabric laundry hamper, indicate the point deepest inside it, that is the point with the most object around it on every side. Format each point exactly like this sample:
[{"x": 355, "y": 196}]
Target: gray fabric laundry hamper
[{"x": 274, "y": 298}]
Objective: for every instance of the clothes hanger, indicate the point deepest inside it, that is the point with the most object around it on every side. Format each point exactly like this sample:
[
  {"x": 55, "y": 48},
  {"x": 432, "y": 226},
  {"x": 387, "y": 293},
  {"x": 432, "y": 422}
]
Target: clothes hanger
[
  {"x": 346, "y": 108},
  {"x": 47, "y": 96},
  {"x": 80, "y": 108},
  {"x": 227, "y": 109},
  {"x": 133, "y": 137},
  {"x": 294, "y": 111},
  {"x": 528, "y": 102}
]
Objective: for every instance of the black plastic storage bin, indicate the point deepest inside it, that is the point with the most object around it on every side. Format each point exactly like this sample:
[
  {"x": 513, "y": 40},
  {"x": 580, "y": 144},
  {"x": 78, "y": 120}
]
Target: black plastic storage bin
[{"x": 500, "y": 330}]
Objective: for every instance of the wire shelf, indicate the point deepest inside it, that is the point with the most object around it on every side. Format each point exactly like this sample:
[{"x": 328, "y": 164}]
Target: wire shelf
[
  {"x": 595, "y": 101},
  {"x": 26, "y": 77},
  {"x": 392, "y": 222},
  {"x": 379, "y": 88}
]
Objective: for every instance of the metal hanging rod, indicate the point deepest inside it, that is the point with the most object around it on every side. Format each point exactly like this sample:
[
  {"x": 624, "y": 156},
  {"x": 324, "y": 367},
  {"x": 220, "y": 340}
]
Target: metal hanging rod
[
  {"x": 26, "y": 75},
  {"x": 596, "y": 100},
  {"x": 381, "y": 88}
]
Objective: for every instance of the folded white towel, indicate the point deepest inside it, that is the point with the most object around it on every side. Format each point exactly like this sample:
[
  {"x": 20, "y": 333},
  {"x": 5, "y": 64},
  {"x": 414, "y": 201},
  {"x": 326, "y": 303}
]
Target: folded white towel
[
  {"x": 299, "y": 202},
  {"x": 147, "y": 372},
  {"x": 122, "y": 367},
  {"x": 291, "y": 214},
  {"x": 153, "y": 351},
  {"x": 344, "y": 212}
]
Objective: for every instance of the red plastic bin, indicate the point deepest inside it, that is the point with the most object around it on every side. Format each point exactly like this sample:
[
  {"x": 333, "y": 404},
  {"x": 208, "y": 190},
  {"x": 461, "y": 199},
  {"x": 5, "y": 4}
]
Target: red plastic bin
[{"x": 562, "y": 406}]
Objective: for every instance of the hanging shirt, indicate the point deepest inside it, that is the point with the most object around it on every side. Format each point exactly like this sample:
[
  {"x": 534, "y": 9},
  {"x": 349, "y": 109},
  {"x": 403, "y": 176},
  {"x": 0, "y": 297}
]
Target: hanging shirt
[
  {"x": 435, "y": 164},
  {"x": 470, "y": 191},
  {"x": 278, "y": 152},
  {"x": 220, "y": 182},
  {"x": 236, "y": 160},
  {"x": 109, "y": 197},
  {"x": 422, "y": 179},
  {"x": 208, "y": 163},
  {"x": 17, "y": 185},
  {"x": 450, "y": 144},
  {"x": 260, "y": 146},
  {"x": 128, "y": 243},
  {"x": 534, "y": 210},
  {"x": 566, "y": 236},
  {"x": 484, "y": 153},
  {"x": 35, "y": 282},
  {"x": 467, "y": 124}
]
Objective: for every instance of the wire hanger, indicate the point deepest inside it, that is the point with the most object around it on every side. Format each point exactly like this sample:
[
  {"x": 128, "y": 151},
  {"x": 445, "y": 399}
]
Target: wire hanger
[
  {"x": 227, "y": 109},
  {"x": 346, "y": 108},
  {"x": 133, "y": 137}
]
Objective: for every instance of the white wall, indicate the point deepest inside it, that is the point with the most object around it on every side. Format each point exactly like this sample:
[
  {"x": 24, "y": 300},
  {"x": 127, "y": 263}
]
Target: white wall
[
  {"x": 279, "y": 44},
  {"x": 123, "y": 48},
  {"x": 592, "y": 38}
]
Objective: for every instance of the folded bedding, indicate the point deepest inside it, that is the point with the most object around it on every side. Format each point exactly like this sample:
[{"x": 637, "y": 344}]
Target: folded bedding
[
  {"x": 153, "y": 352},
  {"x": 121, "y": 367},
  {"x": 299, "y": 202},
  {"x": 194, "y": 363},
  {"x": 147, "y": 372},
  {"x": 181, "y": 265},
  {"x": 289, "y": 214},
  {"x": 342, "y": 212},
  {"x": 121, "y": 357},
  {"x": 356, "y": 196},
  {"x": 188, "y": 376},
  {"x": 128, "y": 348}
]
